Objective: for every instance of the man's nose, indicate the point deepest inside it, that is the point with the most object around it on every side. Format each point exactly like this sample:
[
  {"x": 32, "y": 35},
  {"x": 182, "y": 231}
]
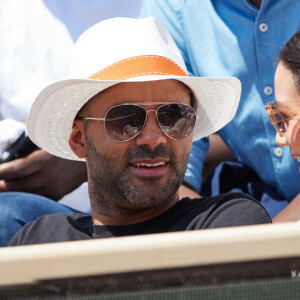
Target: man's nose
[
  {"x": 151, "y": 135},
  {"x": 281, "y": 140}
]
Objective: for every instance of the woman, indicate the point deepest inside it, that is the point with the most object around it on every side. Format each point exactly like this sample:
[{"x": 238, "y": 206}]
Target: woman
[{"x": 284, "y": 113}]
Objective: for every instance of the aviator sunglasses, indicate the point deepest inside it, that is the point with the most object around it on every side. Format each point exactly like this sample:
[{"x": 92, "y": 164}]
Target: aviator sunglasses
[
  {"x": 277, "y": 118},
  {"x": 125, "y": 121}
]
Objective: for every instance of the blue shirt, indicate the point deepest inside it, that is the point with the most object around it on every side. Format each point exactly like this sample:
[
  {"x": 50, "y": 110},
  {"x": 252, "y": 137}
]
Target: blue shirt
[{"x": 234, "y": 38}]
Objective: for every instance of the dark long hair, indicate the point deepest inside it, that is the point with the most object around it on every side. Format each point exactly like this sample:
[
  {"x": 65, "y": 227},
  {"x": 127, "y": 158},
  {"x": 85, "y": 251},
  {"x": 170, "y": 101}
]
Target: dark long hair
[{"x": 290, "y": 56}]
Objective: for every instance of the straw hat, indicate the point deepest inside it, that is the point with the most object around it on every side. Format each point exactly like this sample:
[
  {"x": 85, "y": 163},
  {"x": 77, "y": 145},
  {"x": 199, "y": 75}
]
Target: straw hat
[{"x": 124, "y": 50}]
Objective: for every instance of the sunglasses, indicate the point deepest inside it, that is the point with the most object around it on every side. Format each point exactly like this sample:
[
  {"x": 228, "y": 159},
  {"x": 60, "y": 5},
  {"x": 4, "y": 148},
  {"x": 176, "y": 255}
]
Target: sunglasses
[
  {"x": 125, "y": 121},
  {"x": 277, "y": 118}
]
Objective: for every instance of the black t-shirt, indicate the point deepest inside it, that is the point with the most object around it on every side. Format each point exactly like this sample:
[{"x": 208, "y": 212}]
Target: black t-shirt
[{"x": 232, "y": 209}]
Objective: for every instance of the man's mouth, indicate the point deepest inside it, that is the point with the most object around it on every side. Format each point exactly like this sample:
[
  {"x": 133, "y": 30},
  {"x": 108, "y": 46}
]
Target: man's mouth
[
  {"x": 149, "y": 168},
  {"x": 147, "y": 165}
]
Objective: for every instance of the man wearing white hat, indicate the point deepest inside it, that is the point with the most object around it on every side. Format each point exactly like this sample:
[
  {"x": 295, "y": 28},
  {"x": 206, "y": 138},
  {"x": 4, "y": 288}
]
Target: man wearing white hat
[{"x": 132, "y": 114}]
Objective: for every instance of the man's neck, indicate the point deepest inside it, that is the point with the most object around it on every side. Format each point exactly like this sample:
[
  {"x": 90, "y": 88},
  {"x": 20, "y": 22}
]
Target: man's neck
[
  {"x": 130, "y": 217},
  {"x": 256, "y": 3}
]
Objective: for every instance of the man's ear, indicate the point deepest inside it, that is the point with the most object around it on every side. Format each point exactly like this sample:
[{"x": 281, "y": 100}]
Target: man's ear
[{"x": 77, "y": 140}]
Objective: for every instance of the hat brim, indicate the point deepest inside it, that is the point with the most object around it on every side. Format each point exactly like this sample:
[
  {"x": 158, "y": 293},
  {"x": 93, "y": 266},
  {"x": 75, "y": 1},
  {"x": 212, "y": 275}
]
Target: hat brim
[{"x": 50, "y": 120}]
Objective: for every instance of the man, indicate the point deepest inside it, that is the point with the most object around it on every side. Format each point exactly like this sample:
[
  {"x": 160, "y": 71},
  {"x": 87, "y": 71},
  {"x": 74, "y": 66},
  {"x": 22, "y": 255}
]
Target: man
[
  {"x": 242, "y": 39},
  {"x": 133, "y": 122}
]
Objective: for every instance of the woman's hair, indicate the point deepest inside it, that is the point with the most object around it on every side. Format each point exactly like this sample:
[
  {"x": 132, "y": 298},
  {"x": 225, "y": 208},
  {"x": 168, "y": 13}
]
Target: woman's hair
[{"x": 290, "y": 56}]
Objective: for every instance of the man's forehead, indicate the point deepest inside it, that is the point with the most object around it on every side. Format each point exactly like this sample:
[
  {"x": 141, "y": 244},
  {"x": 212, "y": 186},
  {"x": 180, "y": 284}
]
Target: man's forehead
[
  {"x": 154, "y": 85},
  {"x": 142, "y": 91}
]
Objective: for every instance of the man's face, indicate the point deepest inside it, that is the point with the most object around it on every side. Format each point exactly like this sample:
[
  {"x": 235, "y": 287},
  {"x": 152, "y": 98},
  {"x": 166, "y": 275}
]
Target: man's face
[{"x": 146, "y": 171}]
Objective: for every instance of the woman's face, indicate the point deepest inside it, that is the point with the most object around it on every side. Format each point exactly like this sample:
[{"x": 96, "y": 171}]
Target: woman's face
[{"x": 288, "y": 100}]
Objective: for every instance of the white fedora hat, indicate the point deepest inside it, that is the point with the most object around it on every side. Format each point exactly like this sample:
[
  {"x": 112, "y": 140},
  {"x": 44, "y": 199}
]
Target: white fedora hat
[{"x": 124, "y": 50}]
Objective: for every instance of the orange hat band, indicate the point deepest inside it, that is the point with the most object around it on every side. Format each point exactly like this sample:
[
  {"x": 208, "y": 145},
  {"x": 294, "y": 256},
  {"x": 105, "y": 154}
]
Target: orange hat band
[{"x": 139, "y": 66}]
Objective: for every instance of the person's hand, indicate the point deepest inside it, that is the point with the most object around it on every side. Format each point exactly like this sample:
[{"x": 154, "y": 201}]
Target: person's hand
[{"x": 42, "y": 173}]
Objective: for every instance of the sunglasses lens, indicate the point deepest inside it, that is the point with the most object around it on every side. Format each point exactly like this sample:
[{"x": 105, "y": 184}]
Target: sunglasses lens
[
  {"x": 176, "y": 120},
  {"x": 123, "y": 122},
  {"x": 277, "y": 118},
  {"x": 279, "y": 123}
]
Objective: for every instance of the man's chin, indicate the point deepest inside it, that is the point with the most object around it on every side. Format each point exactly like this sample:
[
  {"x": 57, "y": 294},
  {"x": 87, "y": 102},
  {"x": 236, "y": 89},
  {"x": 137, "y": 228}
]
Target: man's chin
[{"x": 150, "y": 195}]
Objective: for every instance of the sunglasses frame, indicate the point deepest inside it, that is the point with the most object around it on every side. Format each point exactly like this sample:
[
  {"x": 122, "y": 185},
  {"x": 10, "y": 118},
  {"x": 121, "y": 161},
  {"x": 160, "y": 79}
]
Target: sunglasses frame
[
  {"x": 273, "y": 111},
  {"x": 147, "y": 111}
]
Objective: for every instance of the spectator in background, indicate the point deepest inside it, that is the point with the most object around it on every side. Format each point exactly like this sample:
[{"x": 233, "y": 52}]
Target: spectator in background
[
  {"x": 242, "y": 39},
  {"x": 36, "y": 38},
  {"x": 284, "y": 113}
]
